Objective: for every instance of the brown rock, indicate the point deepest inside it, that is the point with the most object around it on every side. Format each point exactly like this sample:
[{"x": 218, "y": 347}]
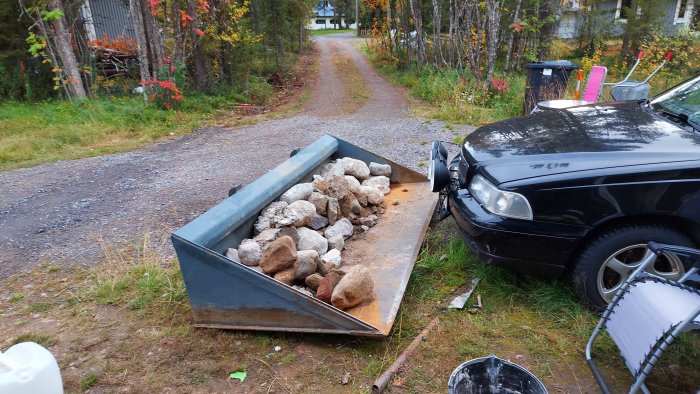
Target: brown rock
[
  {"x": 285, "y": 276},
  {"x": 361, "y": 196},
  {"x": 322, "y": 268},
  {"x": 320, "y": 201},
  {"x": 338, "y": 187},
  {"x": 326, "y": 286},
  {"x": 333, "y": 210},
  {"x": 321, "y": 185},
  {"x": 353, "y": 289},
  {"x": 313, "y": 281},
  {"x": 349, "y": 205},
  {"x": 279, "y": 255}
]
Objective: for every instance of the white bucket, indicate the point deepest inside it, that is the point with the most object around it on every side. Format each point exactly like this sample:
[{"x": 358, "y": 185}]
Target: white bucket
[{"x": 28, "y": 368}]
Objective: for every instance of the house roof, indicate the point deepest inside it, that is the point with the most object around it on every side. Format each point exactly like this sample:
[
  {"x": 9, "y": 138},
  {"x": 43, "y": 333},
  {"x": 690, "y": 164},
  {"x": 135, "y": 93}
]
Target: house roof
[{"x": 320, "y": 10}]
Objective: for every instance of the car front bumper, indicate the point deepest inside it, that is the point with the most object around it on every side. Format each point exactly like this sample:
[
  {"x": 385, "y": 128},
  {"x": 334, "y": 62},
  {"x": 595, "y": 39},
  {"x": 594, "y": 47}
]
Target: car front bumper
[{"x": 528, "y": 246}]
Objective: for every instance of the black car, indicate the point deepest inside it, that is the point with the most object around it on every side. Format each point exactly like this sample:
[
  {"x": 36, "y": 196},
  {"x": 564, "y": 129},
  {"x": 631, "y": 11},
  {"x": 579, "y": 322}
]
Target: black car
[{"x": 580, "y": 191}]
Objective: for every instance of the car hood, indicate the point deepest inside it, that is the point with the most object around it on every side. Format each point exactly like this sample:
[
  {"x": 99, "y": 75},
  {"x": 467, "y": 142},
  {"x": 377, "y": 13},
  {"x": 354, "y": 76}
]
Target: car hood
[{"x": 578, "y": 139}]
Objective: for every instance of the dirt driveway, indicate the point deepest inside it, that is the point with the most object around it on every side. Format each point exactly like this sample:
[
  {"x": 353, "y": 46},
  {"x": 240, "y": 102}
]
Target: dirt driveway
[{"x": 66, "y": 213}]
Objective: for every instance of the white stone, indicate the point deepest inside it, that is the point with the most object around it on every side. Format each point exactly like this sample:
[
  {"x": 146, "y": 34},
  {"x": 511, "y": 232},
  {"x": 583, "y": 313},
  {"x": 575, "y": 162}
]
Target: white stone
[
  {"x": 311, "y": 240},
  {"x": 356, "y": 168},
  {"x": 342, "y": 227},
  {"x": 232, "y": 254},
  {"x": 353, "y": 183},
  {"x": 330, "y": 170},
  {"x": 380, "y": 182},
  {"x": 269, "y": 216},
  {"x": 249, "y": 252},
  {"x": 374, "y": 195},
  {"x": 377, "y": 169},
  {"x": 301, "y": 191},
  {"x": 332, "y": 257},
  {"x": 336, "y": 242},
  {"x": 297, "y": 214}
]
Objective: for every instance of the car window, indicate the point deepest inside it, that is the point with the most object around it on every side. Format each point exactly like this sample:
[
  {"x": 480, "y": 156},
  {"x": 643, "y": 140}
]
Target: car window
[{"x": 682, "y": 102}]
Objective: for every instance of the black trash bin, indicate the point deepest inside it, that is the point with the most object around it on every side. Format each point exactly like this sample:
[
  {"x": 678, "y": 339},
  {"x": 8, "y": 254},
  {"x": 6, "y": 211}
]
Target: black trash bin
[
  {"x": 546, "y": 81},
  {"x": 491, "y": 375}
]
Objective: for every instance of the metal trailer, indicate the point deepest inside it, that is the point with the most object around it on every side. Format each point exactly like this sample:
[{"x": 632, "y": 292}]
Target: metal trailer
[{"x": 227, "y": 294}]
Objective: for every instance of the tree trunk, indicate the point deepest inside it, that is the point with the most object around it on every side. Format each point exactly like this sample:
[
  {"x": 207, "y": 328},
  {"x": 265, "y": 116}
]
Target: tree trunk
[
  {"x": 437, "y": 39},
  {"x": 65, "y": 53},
  {"x": 140, "y": 38},
  {"x": 418, "y": 24},
  {"x": 198, "y": 59},
  {"x": 493, "y": 16},
  {"x": 153, "y": 38},
  {"x": 509, "y": 49},
  {"x": 551, "y": 8}
]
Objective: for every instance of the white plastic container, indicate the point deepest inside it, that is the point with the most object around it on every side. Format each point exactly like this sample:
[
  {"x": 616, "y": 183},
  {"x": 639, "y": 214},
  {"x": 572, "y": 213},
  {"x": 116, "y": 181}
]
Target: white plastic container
[{"x": 28, "y": 368}]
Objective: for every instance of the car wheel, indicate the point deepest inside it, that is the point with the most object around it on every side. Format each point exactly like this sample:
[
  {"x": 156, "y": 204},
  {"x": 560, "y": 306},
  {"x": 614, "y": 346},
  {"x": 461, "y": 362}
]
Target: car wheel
[{"x": 607, "y": 261}]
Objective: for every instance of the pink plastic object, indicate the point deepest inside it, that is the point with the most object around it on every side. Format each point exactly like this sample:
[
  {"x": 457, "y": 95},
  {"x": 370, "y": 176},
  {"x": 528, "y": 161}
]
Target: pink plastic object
[
  {"x": 639, "y": 56},
  {"x": 594, "y": 85},
  {"x": 668, "y": 57}
]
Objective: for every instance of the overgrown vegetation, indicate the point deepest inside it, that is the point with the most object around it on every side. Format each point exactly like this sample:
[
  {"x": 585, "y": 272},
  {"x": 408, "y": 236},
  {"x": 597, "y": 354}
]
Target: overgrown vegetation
[
  {"x": 469, "y": 70},
  {"x": 112, "y": 321}
]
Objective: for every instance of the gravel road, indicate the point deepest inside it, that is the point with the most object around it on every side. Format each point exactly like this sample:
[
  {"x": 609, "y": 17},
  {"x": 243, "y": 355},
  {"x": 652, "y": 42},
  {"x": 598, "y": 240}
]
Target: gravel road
[{"x": 67, "y": 213}]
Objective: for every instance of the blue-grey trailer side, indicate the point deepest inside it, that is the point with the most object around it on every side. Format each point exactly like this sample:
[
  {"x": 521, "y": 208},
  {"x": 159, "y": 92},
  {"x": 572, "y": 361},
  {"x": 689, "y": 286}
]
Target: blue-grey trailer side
[{"x": 226, "y": 294}]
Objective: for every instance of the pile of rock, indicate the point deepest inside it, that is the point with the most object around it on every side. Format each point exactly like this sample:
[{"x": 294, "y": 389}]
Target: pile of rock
[{"x": 299, "y": 238}]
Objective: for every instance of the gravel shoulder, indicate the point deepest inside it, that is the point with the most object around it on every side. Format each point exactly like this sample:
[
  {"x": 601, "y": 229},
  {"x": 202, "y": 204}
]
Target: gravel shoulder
[{"x": 70, "y": 212}]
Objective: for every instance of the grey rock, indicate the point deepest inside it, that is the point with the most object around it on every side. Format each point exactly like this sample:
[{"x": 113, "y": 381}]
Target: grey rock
[
  {"x": 232, "y": 254},
  {"x": 380, "y": 182},
  {"x": 342, "y": 227},
  {"x": 374, "y": 195},
  {"x": 318, "y": 222},
  {"x": 333, "y": 210},
  {"x": 369, "y": 221},
  {"x": 290, "y": 232},
  {"x": 249, "y": 252},
  {"x": 332, "y": 257},
  {"x": 311, "y": 240},
  {"x": 269, "y": 216},
  {"x": 377, "y": 169},
  {"x": 320, "y": 201},
  {"x": 336, "y": 242},
  {"x": 305, "y": 264},
  {"x": 297, "y": 214},
  {"x": 267, "y": 236},
  {"x": 330, "y": 170},
  {"x": 356, "y": 168},
  {"x": 301, "y": 191}
]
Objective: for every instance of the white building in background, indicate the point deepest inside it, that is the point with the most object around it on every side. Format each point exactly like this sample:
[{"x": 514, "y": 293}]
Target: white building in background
[{"x": 324, "y": 18}]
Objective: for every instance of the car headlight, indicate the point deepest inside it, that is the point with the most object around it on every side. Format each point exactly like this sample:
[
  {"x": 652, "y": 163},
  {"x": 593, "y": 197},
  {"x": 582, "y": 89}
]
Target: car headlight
[{"x": 500, "y": 202}]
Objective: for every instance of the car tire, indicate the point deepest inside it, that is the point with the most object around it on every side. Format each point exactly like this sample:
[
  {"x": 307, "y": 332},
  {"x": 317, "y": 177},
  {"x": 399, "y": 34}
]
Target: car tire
[{"x": 607, "y": 261}]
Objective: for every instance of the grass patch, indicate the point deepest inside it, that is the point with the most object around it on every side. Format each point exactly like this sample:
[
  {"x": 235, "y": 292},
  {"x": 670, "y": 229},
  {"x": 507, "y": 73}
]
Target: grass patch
[
  {"x": 43, "y": 340},
  {"x": 33, "y": 133},
  {"x": 38, "y": 307},
  {"x": 89, "y": 380},
  {"x": 16, "y": 297},
  {"x": 357, "y": 90},
  {"x": 325, "y": 32}
]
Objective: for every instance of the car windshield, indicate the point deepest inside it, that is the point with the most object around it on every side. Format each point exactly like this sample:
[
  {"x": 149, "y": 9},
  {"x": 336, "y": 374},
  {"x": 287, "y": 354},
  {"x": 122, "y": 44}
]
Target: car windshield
[{"x": 681, "y": 103}]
